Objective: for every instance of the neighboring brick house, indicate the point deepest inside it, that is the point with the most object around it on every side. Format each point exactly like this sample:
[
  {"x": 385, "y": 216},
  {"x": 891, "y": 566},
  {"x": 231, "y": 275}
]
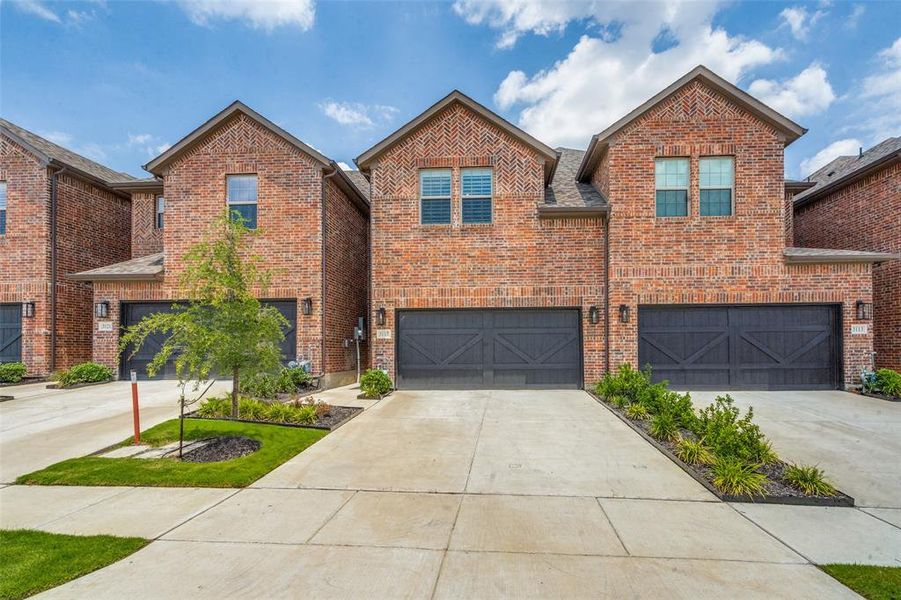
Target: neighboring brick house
[
  {"x": 59, "y": 214},
  {"x": 854, "y": 203},
  {"x": 500, "y": 262},
  {"x": 313, "y": 221}
]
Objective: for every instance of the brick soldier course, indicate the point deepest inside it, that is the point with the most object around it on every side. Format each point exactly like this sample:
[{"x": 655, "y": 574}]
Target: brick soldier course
[{"x": 855, "y": 204}]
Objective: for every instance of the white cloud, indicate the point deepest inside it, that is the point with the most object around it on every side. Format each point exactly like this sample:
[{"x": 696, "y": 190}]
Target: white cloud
[
  {"x": 356, "y": 114},
  {"x": 344, "y": 166},
  {"x": 854, "y": 18},
  {"x": 147, "y": 143},
  {"x": 258, "y": 14},
  {"x": 879, "y": 111},
  {"x": 139, "y": 139},
  {"x": 38, "y": 9},
  {"x": 807, "y": 93},
  {"x": 57, "y": 137},
  {"x": 70, "y": 17},
  {"x": 846, "y": 147},
  {"x": 515, "y": 18},
  {"x": 604, "y": 77},
  {"x": 800, "y": 21}
]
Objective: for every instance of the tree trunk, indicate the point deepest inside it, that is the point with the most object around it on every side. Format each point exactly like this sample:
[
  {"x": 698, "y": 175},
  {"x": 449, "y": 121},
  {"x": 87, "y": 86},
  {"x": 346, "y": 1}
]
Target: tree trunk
[
  {"x": 235, "y": 394},
  {"x": 181, "y": 423}
]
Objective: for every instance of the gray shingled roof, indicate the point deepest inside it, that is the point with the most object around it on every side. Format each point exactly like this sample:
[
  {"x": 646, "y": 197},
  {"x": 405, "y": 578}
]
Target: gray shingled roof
[
  {"x": 63, "y": 155},
  {"x": 829, "y": 255},
  {"x": 564, "y": 190},
  {"x": 143, "y": 268},
  {"x": 846, "y": 166},
  {"x": 359, "y": 180}
]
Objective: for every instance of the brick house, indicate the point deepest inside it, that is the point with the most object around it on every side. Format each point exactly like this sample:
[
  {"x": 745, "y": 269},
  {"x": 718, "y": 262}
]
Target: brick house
[
  {"x": 854, "y": 202},
  {"x": 313, "y": 221},
  {"x": 500, "y": 262},
  {"x": 59, "y": 213}
]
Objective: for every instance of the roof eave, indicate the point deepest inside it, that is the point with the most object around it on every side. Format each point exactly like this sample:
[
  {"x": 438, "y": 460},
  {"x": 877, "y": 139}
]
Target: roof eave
[
  {"x": 88, "y": 276},
  {"x": 349, "y": 187},
  {"x": 572, "y": 212},
  {"x": 847, "y": 179}
]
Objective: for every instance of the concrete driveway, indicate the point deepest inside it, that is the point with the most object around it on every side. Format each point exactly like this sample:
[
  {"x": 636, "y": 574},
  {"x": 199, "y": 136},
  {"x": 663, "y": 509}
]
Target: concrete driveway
[
  {"x": 41, "y": 427},
  {"x": 451, "y": 495},
  {"x": 856, "y": 439}
]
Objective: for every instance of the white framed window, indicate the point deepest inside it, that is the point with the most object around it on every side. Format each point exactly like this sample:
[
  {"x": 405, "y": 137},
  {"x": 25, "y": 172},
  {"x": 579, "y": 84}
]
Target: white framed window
[
  {"x": 671, "y": 186},
  {"x": 242, "y": 198},
  {"x": 2, "y": 208},
  {"x": 477, "y": 191},
  {"x": 717, "y": 183},
  {"x": 435, "y": 196},
  {"x": 159, "y": 211}
]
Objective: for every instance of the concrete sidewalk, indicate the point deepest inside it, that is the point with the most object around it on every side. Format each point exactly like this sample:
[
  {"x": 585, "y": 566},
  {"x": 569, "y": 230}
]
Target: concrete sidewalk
[{"x": 461, "y": 495}]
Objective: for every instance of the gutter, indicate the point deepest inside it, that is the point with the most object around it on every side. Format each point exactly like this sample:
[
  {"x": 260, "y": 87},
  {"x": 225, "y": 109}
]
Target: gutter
[{"x": 607, "y": 293}]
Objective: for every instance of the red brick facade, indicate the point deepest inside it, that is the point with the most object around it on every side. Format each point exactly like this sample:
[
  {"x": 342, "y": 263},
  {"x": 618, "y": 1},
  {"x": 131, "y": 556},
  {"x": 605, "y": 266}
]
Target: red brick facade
[
  {"x": 864, "y": 215},
  {"x": 518, "y": 260},
  {"x": 710, "y": 260},
  {"x": 146, "y": 238},
  {"x": 93, "y": 230},
  {"x": 290, "y": 238}
]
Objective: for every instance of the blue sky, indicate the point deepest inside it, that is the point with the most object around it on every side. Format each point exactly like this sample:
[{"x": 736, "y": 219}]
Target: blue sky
[{"x": 118, "y": 80}]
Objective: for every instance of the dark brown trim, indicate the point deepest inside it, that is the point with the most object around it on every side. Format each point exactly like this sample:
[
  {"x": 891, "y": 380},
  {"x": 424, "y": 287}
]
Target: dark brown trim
[
  {"x": 116, "y": 277},
  {"x": 798, "y": 186},
  {"x": 572, "y": 212},
  {"x": 138, "y": 186},
  {"x": 839, "y": 257},
  {"x": 833, "y": 186}
]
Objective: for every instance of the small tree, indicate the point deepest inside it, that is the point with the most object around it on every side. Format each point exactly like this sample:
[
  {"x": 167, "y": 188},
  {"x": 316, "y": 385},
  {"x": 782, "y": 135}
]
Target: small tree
[{"x": 223, "y": 329}]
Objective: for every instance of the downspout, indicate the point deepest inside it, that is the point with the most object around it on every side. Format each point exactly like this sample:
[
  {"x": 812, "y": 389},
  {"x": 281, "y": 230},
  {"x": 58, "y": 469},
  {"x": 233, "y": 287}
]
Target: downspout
[
  {"x": 607, "y": 291},
  {"x": 324, "y": 286},
  {"x": 54, "y": 186}
]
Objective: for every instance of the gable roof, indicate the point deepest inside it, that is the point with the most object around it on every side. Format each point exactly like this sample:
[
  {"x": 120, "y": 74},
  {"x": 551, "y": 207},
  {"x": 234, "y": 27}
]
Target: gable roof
[
  {"x": 564, "y": 191},
  {"x": 48, "y": 153},
  {"x": 364, "y": 160},
  {"x": 848, "y": 169},
  {"x": 143, "y": 268},
  {"x": 156, "y": 165},
  {"x": 781, "y": 123}
]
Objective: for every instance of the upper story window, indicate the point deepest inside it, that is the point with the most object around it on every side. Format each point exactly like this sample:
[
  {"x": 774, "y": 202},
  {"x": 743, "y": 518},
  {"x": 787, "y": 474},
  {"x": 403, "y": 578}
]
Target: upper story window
[
  {"x": 435, "y": 196},
  {"x": 671, "y": 175},
  {"x": 160, "y": 209},
  {"x": 477, "y": 187},
  {"x": 717, "y": 182},
  {"x": 2, "y": 208},
  {"x": 242, "y": 198}
]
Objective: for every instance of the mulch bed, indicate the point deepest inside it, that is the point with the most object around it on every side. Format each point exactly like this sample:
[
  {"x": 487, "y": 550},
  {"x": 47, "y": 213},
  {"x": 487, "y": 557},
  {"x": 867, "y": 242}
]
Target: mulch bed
[
  {"x": 382, "y": 397},
  {"x": 223, "y": 448},
  {"x": 878, "y": 396},
  {"x": 56, "y": 386},
  {"x": 337, "y": 416},
  {"x": 24, "y": 381},
  {"x": 777, "y": 491}
]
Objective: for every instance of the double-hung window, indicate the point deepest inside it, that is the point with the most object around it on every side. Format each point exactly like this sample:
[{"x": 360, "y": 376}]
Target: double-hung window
[
  {"x": 477, "y": 187},
  {"x": 435, "y": 196},
  {"x": 242, "y": 198},
  {"x": 717, "y": 177},
  {"x": 2, "y": 208},
  {"x": 159, "y": 211},
  {"x": 671, "y": 176}
]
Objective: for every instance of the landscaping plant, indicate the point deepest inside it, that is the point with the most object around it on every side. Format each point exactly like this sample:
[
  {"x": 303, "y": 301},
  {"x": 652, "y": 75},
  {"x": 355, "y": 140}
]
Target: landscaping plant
[
  {"x": 810, "y": 479},
  {"x": 288, "y": 380},
  {"x": 664, "y": 427},
  {"x": 694, "y": 452},
  {"x": 223, "y": 329},
  {"x": 299, "y": 412},
  {"x": 12, "y": 372},
  {"x": 637, "y": 412},
  {"x": 375, "y": 383},
  {"x": 733, "y": 476},
  {"x": 88, "y": 372},
  {"x": 888, "y": 382},
  {"x": 732, "y": 436}
]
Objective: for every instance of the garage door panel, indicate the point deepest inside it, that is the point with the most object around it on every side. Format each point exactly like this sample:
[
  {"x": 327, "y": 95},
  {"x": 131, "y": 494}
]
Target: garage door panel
[
  {"x": 741, "y": 347},
  {"x": 10, "y": 332},
  {"x": 502, "y": 348}
]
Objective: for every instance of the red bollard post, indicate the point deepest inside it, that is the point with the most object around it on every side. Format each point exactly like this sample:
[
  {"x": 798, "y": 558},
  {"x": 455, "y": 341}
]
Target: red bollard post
[{"x": 134, "y": 406}]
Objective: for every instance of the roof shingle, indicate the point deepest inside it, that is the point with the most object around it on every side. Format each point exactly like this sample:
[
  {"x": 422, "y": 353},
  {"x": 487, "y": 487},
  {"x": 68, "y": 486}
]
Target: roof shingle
[
  {"x": 564, "y": 190},
  {"x": 845, "y": 167},
  {"x": 142, "y": 268}
]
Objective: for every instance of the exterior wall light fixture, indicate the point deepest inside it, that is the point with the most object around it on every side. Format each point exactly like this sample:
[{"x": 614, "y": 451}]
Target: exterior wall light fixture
[
  {"x": 623, "y": 313},
  {"x": 101, "y": 310},
  {"x": 380, "y": 316},
  {"x": 594, "y": 315},
  {"x": 307, "y": 306},
  {"x": 28, "y": 309},
  {"x": 864, "y": 310}
]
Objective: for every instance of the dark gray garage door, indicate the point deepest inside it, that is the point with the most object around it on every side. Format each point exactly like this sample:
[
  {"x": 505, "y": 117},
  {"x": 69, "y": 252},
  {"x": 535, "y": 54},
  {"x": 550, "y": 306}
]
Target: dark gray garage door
[
  {"x": 10, "y": 332},
  {"x": 133, "y": 313},
  {"x": 481, "y": 349},
  {"x": 742, "y": 347}
]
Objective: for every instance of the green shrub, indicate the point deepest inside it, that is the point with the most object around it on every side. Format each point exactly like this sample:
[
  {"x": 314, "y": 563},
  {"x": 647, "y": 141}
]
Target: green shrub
[
  {"x": 626, "y": 382},
  {"x": 268, "y": 385},
  {"x": 215, "y": 407},
  {"x": 618, "y": 401},
  {"x": 375, "y": 383},
  {"x": 730, "y": 436},
  {"x": 88, "y": 372},
  {"x": 733, "y": 476},
  {"x": 810, "y": 479},
  {"x": 252, "y": 410},
  {"x": 12, "y": 372},
  {"x": 888, "y": 382},
  {"x": 637, "y": 412},
  {"x": 679, "y": 406},
  {"x": 694, "y": 452},
  {"x": 302, "y": 413},
  {"x": 664, "y": 427}
]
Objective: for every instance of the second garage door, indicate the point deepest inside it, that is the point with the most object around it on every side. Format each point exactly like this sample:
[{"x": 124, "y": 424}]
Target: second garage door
[
  {"x": 10, "y": 332},
  {"x": 483, "y": 349},
  {"x": 742, "y": 347},
  {"x": 133, "y": 312}
]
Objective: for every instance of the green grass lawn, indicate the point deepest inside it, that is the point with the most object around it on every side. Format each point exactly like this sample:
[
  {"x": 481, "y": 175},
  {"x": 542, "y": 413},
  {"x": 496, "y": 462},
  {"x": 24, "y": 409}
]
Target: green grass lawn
[
  {"x": 33, "y": 561},
  {"x": 874, "y": 583},
  {"x": 278, "y": 444}
]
